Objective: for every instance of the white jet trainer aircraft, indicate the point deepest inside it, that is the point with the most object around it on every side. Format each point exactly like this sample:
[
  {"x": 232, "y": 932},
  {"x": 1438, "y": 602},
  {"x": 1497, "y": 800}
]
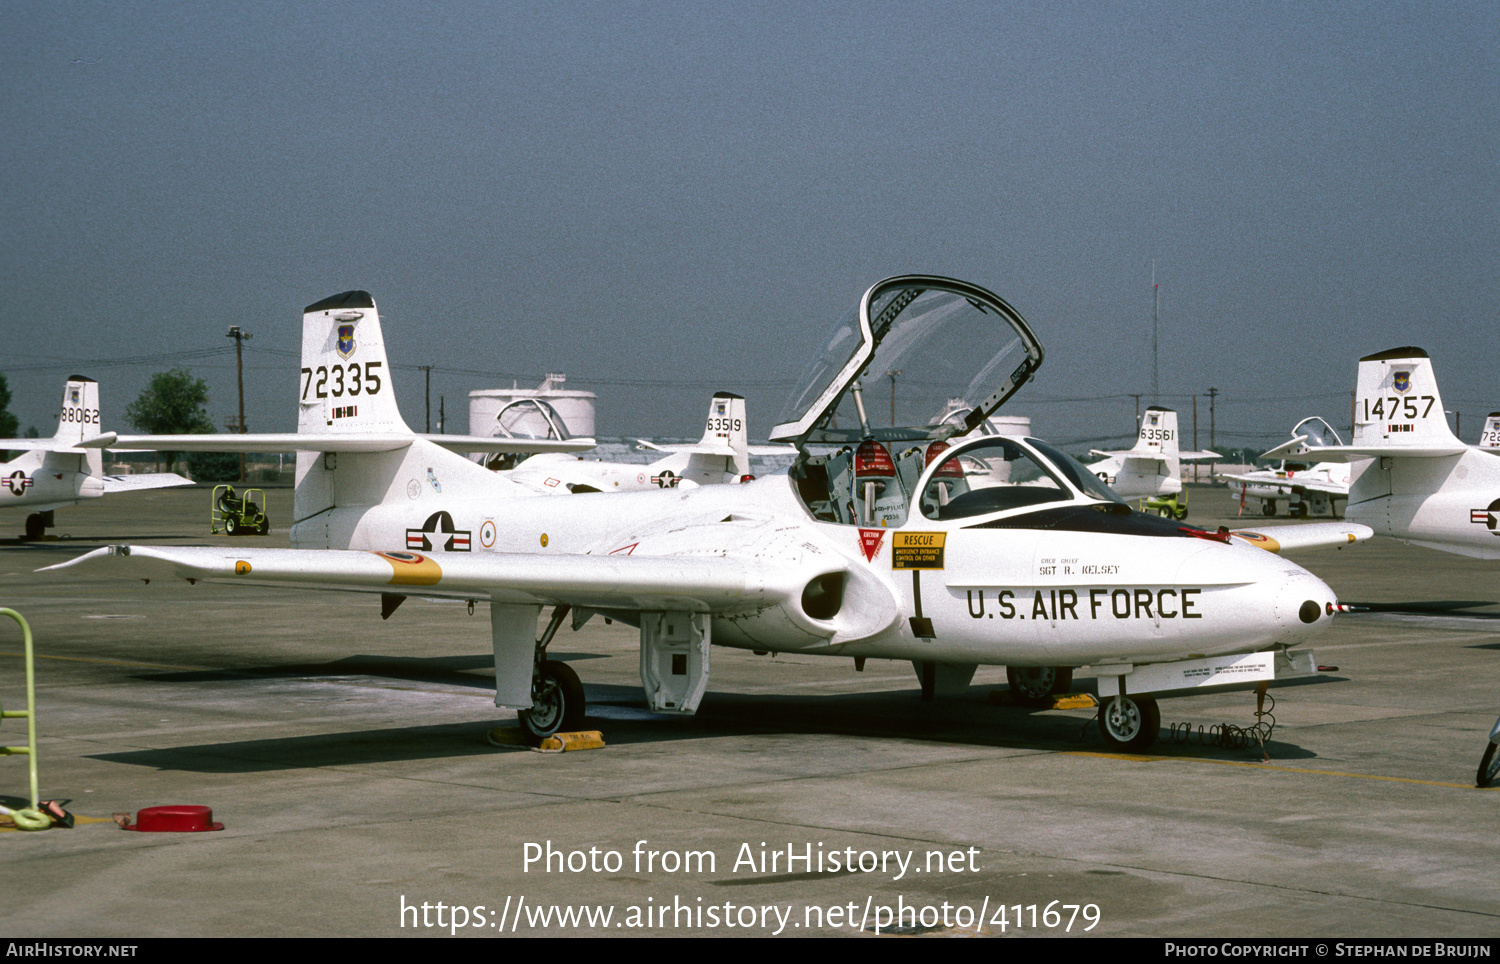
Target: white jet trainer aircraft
[
  {"x": 1029, "y": 561},
  {"x": 721, "y": 457},
  {"x": 68, "y": 468},
  {"x": 1413, "y": 479},
  {"x": 1153, "y": 468},
  {"x": 1315, "y": 488}
]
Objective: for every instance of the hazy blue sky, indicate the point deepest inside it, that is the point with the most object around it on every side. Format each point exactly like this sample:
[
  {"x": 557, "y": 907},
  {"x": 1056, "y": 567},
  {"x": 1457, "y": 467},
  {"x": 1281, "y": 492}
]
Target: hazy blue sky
[{"x": 662, "y": 199}]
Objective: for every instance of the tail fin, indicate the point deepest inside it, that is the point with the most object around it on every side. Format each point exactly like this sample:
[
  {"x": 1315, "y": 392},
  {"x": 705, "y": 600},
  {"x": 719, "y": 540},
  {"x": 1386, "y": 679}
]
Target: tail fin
[
  {"x": 344, "y": 388},
  {"x": 1397, "y": 404},
  {"x": 1158, "y": 436},
  {"x": 78, "y": 419},
  {"x": 726, "y": 427},
  {"x": 1489, "y": 439},
  {"x": 346, "y": 380}
]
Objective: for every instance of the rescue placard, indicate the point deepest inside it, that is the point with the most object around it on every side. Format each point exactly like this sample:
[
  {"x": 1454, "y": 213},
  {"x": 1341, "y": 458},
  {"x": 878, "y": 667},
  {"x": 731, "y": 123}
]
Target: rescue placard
[{"x": 917, "y": 550}]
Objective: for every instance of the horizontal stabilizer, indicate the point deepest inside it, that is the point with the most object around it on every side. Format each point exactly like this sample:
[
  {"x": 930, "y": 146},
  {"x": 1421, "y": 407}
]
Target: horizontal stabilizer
[
  {"x": 769, "y": 450},
  {"x": 1357, "y": 453},
  {"x": 57, "y": 445},
  {"x": 344, "y": 442},
  {"x": 146, "y": 480},
  {"x": 1312, "y": 535}
]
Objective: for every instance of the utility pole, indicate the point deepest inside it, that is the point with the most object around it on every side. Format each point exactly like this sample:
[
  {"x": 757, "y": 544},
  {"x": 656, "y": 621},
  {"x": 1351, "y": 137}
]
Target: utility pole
[
  {"x": 1213, "y": 394},
  {"x": 239, "y": 336},
  {"x": 892, "y": 376},
  {"x": 427, "y": 405},
  {"x": 1195, "y": 436},
  {"x": 442, "y": 418}
]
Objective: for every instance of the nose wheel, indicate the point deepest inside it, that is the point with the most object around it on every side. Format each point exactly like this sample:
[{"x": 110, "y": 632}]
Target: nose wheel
[
  {"x": 1129, "y": 724},
  {"x": 1489, "y": 767}
]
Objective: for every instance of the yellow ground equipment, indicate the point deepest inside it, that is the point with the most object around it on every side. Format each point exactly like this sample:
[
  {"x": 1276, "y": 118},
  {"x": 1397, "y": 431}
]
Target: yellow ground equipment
[
  {"x": 28, "y": 714},
  {"x": 239, "y": 513}
]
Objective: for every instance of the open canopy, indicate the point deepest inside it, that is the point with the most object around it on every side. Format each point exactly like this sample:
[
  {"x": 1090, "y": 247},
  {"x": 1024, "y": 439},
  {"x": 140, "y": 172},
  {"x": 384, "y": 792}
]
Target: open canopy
[{"x": 911, "y": 341}]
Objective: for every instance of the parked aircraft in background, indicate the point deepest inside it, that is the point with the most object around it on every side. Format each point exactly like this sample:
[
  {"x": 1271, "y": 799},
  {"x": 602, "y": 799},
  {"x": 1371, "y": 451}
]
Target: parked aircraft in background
[
  {"x": 67, "y": 468},
  {"x": 1489, "y": 439},
  {"x": 1307, "y": 488},
  {"x": 722, "y": 456},
  {"x": 1413, "y": 479},
  {"x": 1038, "y": 567},
  {"x": 1153, "y": 468}
]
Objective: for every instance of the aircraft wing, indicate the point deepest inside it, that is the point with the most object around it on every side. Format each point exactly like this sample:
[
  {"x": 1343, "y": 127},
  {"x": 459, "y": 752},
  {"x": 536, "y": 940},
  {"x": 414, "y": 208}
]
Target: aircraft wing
[
  {"x": 351, "y": 442},
  {"x": 1311, "y": 535},
  {"x": 146, "y": 480},
  {"x": 1318, "y": 485},
  {"x": 1203, "y": 456},
  {"x": 700, "y": 584}
]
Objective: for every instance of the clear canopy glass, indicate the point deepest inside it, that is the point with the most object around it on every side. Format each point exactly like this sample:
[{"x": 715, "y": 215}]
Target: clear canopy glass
[
  {"x": 910, "y": 343},
  {"x": 530, "y": 418}
]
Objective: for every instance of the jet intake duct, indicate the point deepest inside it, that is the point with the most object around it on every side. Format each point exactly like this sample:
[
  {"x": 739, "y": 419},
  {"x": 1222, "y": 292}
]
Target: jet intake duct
[{"x": 823, "y": 596}]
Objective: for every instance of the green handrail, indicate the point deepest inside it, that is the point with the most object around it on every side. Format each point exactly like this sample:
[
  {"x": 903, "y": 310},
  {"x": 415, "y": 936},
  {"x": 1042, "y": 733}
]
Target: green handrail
[{"x": 30, "y": 712}]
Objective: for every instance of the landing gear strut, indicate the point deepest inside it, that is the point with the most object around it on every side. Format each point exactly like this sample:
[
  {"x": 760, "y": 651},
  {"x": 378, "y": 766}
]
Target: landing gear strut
[{"x": 557, "y": 701}]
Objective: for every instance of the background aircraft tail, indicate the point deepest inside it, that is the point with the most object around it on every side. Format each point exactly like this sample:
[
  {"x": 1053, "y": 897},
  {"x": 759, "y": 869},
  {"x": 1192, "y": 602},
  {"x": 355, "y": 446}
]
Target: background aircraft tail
[
  {"x": 726, "y": 429},
  {"x": 1489, "y": 439},
  {"x": 1158, "y": 435},
  {"x": 77, "y": 420},
  {"x": 721, "y": 455}
]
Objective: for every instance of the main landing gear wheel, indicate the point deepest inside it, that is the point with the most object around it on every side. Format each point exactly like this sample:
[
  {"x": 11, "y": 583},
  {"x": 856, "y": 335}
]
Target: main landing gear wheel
[
  {"x": 1489, "y": 767},
  {"x": 36, "y": 526},
  {"x": 557, "y": 702},
  {"x": 1129, "y": 724},
  {"x": 1035, "y": 685},
  {"x": 1268, "y": 508}
]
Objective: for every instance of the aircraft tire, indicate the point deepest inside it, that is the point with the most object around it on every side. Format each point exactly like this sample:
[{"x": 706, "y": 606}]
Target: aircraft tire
[
  {"x": 1129, "y": 724},
  {"x": 559, "y": 707},
  {"x": 36, "y": 526},
  {"x": 1489, "y": 767},
  {"x": 1268, "y": 508},
  {"x": 1034, "y": 685}
]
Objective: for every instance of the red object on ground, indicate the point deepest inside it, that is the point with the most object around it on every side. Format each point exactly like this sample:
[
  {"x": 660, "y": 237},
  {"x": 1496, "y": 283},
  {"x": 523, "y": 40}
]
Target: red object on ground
[{"x": 183, "y": 818}]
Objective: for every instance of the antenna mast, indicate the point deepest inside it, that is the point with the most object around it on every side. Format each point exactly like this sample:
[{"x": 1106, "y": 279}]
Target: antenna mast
[{"x": 1155, "y": 306}]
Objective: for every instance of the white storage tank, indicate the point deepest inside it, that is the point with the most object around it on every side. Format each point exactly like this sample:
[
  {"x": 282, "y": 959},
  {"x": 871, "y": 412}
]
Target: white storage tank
[{"x": 532, "y": 412}]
